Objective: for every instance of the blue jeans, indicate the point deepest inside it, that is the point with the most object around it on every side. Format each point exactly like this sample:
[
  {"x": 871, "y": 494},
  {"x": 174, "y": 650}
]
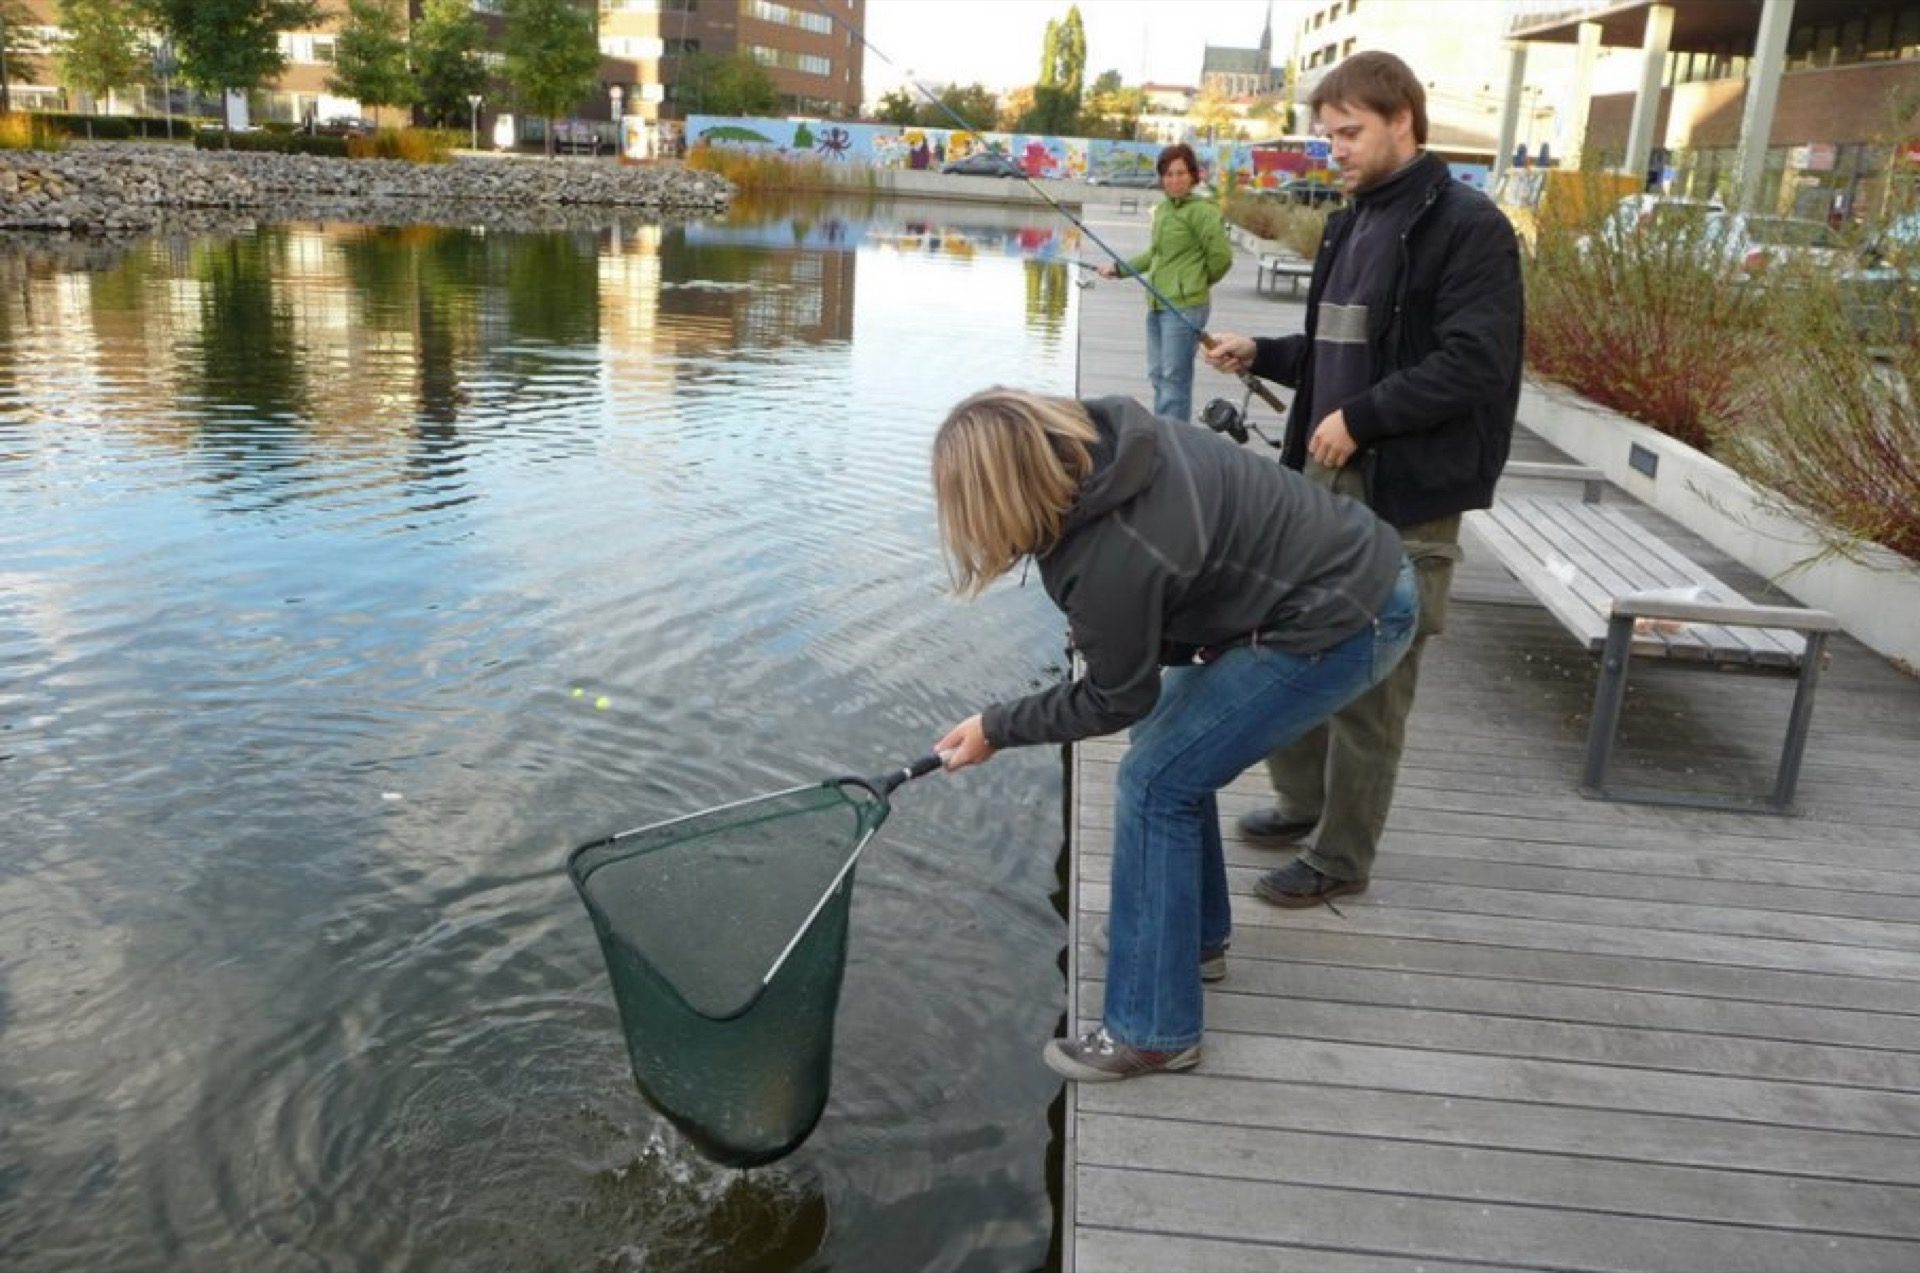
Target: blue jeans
[
  {"x": 1169, "y": 872},
  {"x": 1170, "y": 348}
]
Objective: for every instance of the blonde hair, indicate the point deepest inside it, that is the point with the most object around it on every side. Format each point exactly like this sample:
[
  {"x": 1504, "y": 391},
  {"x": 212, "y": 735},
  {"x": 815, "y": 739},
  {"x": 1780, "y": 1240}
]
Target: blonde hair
[{"x": 1007, "y": 467}]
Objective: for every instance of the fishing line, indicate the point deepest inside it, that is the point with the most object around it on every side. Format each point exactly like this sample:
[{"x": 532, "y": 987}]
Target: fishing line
[{"x": 1252, "y": 383}]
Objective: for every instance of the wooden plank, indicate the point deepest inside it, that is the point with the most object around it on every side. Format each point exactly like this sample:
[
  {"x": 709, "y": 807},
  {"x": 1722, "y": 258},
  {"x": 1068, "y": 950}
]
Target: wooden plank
[
  {"x": 1254, "y": 972},
  {"x": 1105, "y": 1250},
  {"x": 1232, "y": 1010},
  {"x": 1364, "y": 1221},
  {"x": 1570, "y": 1179},
  {"x": 1439, "y": 920},
  {"x": 1770, "y": 1102},
  {"x": 1300, "y": 1103}
]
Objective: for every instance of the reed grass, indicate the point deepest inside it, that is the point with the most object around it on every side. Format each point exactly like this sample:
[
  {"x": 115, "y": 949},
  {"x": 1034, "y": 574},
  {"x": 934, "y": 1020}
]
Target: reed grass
[
  {"x": 22, "y": 130},
  {"x": 1294, "y": 226},
  {"x": 763, "y": 171}
]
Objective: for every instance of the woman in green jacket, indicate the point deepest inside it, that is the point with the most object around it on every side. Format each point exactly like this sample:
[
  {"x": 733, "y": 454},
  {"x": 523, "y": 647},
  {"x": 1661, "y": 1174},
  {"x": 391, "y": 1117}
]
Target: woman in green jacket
[{"x": 1187, "y": 256}]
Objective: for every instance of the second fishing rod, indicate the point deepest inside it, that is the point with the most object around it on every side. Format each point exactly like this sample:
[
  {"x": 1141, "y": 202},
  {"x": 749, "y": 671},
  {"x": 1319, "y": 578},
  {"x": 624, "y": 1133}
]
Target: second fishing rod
[{"x": 1247, "y": 379}]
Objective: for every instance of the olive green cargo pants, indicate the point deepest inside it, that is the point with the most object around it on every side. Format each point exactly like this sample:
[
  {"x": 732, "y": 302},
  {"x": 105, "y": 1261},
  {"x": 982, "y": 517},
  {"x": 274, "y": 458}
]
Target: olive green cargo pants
[{"x": 1343, "y": 773}]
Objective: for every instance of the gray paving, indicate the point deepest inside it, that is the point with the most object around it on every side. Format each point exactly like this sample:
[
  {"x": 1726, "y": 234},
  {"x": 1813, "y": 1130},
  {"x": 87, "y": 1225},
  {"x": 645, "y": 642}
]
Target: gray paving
[{"x": 1555, "y": 1034}]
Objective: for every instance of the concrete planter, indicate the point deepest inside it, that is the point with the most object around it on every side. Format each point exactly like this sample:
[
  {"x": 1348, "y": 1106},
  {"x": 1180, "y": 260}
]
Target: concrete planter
[{"x": 1874, "y": 593}]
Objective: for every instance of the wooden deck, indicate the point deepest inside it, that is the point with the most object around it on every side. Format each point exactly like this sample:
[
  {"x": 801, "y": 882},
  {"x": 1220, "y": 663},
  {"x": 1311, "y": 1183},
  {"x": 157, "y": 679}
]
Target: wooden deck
[{"x": 1556, "y": 1034}]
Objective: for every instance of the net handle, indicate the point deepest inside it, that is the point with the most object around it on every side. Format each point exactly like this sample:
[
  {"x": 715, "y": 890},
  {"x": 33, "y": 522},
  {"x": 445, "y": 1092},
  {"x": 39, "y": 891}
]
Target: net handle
[{"x": 881, "y": 788}]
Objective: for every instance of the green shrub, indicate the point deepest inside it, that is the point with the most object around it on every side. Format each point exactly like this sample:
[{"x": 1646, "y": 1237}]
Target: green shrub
[
  {"x": 1652, "y": 322},
  {"x": 98, "y": 127},
  {"x": 270, "y": 143},
  {"x": 1831, "y": 420}
]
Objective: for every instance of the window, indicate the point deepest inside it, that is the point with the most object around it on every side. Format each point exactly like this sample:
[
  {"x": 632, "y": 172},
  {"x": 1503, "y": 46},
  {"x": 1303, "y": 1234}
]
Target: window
[
  {"x": 632, "y": 46},
  {"x": 787, "y": 16},
  {"x": 786, "y": 59}
]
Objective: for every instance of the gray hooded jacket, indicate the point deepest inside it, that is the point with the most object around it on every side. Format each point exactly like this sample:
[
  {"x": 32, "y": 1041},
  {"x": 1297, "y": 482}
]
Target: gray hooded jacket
[{"x": 1181, "y": 540}]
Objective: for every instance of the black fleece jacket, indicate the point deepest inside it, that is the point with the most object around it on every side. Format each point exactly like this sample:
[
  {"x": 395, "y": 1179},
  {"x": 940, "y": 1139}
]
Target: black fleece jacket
[
  {"x": 1445, "y": 337},
  {"x": 1180, "y": 539}
]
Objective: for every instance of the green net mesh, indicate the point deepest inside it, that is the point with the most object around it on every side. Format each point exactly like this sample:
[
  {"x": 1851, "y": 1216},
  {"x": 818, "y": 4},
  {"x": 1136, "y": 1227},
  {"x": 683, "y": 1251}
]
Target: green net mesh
[{"x": 692, "y": 916}]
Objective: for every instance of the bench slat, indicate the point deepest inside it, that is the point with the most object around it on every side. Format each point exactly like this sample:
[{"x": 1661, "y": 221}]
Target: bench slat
[
  {"x": 1635, "y": 543},
  {"x": 1611, "y": 564},
  {"x": 1623, "y": 558}
]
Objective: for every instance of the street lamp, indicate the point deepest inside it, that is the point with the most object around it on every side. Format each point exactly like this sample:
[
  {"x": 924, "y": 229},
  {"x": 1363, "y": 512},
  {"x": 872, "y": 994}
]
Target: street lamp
[{"x": 473, "y": 117}]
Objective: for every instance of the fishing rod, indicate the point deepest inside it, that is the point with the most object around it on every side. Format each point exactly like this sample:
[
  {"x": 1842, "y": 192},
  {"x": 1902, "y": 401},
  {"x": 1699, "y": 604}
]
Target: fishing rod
[{"x": 1246, "y": 378}]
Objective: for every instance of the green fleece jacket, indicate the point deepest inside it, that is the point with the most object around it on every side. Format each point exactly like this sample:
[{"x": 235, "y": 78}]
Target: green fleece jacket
[{"x": 1189, "y": 252}]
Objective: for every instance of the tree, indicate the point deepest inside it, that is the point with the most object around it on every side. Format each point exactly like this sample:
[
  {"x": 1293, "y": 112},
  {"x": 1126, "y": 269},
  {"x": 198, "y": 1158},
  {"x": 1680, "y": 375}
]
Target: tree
[
  {"x": 733, "y": 85},
  {"x": 229, "y": 45},
  {"x": 19, "y": 47},
  {"x": 371, "y": 56},
  {"x": 446, "y": 60},
  {"x": 1063, "y": 65},
  {"x": 1063, "y": 59},
  {"x": 973, "y": 103},
  {"x": 1111, "y": 109},
  {"x": 102, "y": 50},
  {"x": 553, "y": 56},
  {"x": 898, "y": 107}
]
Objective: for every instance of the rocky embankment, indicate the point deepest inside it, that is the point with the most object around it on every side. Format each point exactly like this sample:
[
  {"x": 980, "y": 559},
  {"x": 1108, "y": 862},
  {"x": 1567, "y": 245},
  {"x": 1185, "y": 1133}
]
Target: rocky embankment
[{"x": 121, "y": 188}]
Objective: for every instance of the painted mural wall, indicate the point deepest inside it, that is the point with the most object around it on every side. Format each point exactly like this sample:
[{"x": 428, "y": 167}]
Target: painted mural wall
[{"x": 1257, "y": 166}]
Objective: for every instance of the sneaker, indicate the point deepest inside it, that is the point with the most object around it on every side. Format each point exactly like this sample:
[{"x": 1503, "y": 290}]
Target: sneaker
[
  {"x": 1213, "y": 961},
  {"x": 1273, "y": 827},
  {"x": 1098, "y": 1057},
  {"x": 1298, "y": 884}
]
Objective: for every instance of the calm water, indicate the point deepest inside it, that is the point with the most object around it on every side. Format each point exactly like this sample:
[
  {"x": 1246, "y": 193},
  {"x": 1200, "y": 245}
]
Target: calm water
[{"x": 307, "y": 537}]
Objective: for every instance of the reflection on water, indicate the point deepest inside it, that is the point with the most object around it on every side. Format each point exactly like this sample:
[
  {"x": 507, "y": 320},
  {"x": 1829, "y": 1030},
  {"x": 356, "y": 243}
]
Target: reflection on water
[{"x": 307, "y": 536}]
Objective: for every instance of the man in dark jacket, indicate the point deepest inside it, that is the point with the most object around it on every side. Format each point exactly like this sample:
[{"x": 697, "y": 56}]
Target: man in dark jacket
[{"x": 1408, "y": 377}]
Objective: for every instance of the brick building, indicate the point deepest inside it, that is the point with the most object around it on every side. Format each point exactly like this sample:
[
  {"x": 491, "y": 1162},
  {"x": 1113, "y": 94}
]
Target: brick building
[
  {"x": 1845, "y": 111},
  {"x": 813, "y": 57}
]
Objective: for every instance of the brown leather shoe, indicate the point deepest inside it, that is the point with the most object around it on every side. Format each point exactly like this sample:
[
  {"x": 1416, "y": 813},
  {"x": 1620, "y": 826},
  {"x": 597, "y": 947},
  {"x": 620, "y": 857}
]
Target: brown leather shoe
[
  {"x": 1296, "y": 884},
  {"x": 1271, "y": 828}
]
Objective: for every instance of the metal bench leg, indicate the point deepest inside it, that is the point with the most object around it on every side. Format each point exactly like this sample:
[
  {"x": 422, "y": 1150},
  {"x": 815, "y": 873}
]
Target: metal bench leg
[
  {"x": 1798, "y": 720},
  {"x": 1609, "y": 695}
]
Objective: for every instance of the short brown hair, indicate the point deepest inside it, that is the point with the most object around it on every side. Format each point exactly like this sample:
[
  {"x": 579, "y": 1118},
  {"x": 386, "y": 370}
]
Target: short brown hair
[
  {"x": 1007, "y": 467},
  {"x": 1375, "y": 81},
  {"x": 1182, "y": 152}
]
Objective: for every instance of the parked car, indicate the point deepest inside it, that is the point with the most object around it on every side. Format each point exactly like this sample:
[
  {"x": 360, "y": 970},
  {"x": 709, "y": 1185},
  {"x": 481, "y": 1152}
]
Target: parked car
[
  {"x": 344, "y": 125},
  {"x": 1882, "y": 286},
  {"x": 983, "y": 163},
  {"x": 1311, "y": 193},
  {"x": 1758, "y": 244},
  {"x": 1139, "y": 179}
]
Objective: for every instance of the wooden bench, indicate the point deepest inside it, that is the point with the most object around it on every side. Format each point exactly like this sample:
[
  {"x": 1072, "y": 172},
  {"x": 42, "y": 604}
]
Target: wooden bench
[
  {"x": 1272, "y": 269},
  {"x": 1623, "y": 591}
]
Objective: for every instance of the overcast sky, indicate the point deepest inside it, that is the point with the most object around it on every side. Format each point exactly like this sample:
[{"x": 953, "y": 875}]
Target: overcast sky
[{"x": 997, "y": 42}]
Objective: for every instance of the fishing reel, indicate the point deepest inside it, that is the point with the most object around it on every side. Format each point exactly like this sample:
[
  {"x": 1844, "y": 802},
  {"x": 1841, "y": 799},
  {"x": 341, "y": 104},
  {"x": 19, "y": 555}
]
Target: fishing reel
[{"x": 1223, "y": 417}]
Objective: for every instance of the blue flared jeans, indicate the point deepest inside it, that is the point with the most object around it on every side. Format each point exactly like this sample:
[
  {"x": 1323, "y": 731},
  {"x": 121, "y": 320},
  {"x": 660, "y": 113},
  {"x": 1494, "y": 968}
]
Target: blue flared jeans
[
  {"x": 1172, "y": 338},
  {"x": 1212, "y": 722}
]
